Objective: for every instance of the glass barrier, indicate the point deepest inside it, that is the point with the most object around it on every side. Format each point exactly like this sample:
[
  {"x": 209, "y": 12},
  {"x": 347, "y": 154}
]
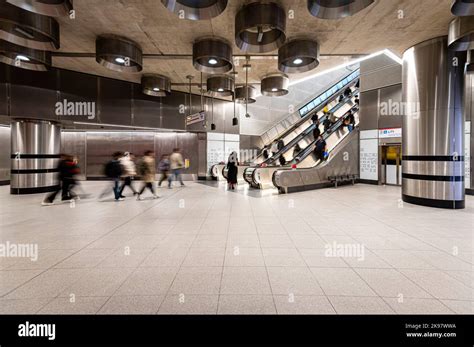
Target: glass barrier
[{"x": 310, "y": 106}]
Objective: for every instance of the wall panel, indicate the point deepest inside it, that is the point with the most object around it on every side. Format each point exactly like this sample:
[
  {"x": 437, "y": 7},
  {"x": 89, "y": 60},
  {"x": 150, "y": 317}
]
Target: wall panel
[{"x": 5, "y": 154}]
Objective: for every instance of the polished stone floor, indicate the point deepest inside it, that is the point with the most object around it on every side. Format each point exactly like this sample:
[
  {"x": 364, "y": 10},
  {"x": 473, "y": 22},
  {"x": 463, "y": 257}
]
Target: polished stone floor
[{"x": 202, "y": 249}]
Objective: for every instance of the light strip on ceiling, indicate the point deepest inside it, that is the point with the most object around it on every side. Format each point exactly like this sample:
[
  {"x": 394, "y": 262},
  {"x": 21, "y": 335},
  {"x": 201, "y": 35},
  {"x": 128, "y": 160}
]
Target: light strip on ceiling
[
  {"x": 387, "y": 52},
  {"x": 126, "y": 126}
]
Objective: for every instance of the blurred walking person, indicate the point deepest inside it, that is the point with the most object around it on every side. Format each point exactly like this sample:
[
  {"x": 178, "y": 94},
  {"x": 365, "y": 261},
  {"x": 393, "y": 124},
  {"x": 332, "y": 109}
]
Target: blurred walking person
[
  {"x": 164, "y": 168},
  {"x": 67, "y": 169},
  {"x": 129, "y": 172},
  {"x": 113, "y": 170},
  {"x": 176, "y": 165},
  {"x": 147, "y": 170}
]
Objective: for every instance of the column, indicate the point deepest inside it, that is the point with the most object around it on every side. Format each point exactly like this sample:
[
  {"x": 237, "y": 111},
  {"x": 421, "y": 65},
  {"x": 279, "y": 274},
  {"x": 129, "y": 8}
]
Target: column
[
  {"x": 433, "y": 128},
  {"x": 35, "y": 147}
]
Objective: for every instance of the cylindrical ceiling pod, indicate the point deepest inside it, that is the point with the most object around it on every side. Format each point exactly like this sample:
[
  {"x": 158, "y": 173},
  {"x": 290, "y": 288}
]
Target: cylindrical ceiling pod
[
  {"x": 28, "y": 29},
  {"x": 156, "y": 85},
  {"x": 336, "y": 9},
  {"x": 298, "y": 55},
  {"x": 212, "y": 55},
  {"x": 118, "y": 53},
  {"x": 275, "y": 85},
  {"x": 463, "y": 8},
  {"x": 260, "y": 27},
  {"x": 53, "y": 8},
  {"x": 196, "y": 9},
  {"x": 25, "y": 58},
  {"x": 461, "y": 34},
  {"x": 245, "y": 93},
  {"x": 221, "y": 85}
]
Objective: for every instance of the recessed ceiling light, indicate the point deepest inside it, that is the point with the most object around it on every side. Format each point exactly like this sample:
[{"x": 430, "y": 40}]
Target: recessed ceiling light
[
  {"x": 22, "y": 58},
  {"x": 212, "y": 61},
  {"x": 297, "y": 61},
  {"x": 120, "y": 60}
]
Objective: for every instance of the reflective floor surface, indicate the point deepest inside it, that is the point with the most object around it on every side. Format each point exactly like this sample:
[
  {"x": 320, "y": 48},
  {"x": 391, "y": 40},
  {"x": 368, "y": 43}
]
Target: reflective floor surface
[{"x": 204, "y": 250}]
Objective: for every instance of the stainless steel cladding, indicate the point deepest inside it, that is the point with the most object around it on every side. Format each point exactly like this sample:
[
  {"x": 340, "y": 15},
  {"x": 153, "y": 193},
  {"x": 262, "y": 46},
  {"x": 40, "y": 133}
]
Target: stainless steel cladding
[
  {"x": 156, "y": 85},
  {"x": 4, "y": 155},
  {"x": 28, "y": 29},
  {"x": 53, "y": 8},
  {"x": 461, "y": 33},
  {"x": 245, "y": 94},
  {"x": 260, "y": 27},
  {"x": 118, "y": 53},
  {"x": 299, "y": 55},
  {"x": 35, "y": 147},
  {"x": 470, "y": 62},
  {"x": 463, "y": 8},
  {"x": 336, "y": 9},
  {"x": 433, "y": 128},
  {"x": 275, "y": 85},
  {"x": 25, "y": 58},
  {"x": 196, "y": 9},
  {"x": 212, "y": 55},
  {"x": 310, "y": 178}
]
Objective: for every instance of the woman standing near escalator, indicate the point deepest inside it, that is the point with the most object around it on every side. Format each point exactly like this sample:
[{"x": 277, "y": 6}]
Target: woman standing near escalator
[{"x": 232, "y": 170}]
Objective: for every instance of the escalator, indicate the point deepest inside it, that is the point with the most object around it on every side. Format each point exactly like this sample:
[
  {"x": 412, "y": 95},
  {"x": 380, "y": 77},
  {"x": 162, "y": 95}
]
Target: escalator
[
  {"x": 341, "y": 164},
  {"x": 219, "y": 172},
  {"x": 305, "y": 125},
  {"x": 262, "y": 177}
]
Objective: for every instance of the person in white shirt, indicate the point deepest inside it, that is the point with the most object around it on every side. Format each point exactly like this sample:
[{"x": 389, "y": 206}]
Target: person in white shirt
[
  {"x": 176, "y": 165},
  {"x": 129, "y": 172}
]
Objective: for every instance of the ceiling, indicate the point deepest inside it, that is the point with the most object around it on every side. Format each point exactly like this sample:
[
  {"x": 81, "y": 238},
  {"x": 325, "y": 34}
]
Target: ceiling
[{"x": 391, "y": 24}]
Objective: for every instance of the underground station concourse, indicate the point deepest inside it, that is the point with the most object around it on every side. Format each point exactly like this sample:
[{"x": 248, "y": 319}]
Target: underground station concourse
[{"x": 236, "y": 157}]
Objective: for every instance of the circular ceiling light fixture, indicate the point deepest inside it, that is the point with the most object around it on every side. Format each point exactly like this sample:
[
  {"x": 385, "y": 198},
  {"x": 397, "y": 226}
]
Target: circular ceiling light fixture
[
  {"x": 212, "y": 55},
  {"x": 28, "y": 29},
  {"x": 196, "y": 9},
  {"x": 275, "y": 85},
  {"x": 53, "y": 8},
  {"x": 156, "y": 85},
  {"x": 260, "y": 27},
  {"x": 299, "y": 55},
  {"x": 118, "y": 53},
  {"x": 336, "y": 9},
  {"x": 245, "y": 94},
  {"x": 462, "y": 8},
  {"x": 24, "y": 58},
  {"x": 221, "y": 85},
  {"x": 461, "y": 34}
]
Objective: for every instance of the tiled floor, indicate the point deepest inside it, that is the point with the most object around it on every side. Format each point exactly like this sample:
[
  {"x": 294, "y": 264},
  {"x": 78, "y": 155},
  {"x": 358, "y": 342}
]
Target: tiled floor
[{"x": 202, "y": 249}]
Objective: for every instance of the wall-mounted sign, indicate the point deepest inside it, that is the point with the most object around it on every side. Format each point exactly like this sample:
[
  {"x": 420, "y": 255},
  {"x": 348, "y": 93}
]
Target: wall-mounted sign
[
  {"x": 196, "y": 118},
  {"x": 390, "y": 133}
]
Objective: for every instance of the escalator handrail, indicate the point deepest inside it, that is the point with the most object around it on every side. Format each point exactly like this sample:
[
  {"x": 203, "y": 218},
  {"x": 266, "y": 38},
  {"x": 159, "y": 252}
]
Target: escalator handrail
[
  {"x": 308, "y": 168},
  {"x": 317, "y": 108},
  {"x": 356, "y": 74},
  {"x": 310, "y": 148},
  {"x": 308, "y": 130}
]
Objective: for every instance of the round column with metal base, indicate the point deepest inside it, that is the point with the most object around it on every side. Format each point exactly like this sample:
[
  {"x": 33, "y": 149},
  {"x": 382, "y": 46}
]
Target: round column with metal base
[
  {"x": 35, "y": 147},
  {"x": 433, "y": 127}
]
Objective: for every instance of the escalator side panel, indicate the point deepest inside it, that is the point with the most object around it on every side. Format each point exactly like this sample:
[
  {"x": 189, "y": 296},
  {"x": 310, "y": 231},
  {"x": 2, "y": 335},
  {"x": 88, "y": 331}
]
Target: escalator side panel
[{"x": 343, "y": 161}]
